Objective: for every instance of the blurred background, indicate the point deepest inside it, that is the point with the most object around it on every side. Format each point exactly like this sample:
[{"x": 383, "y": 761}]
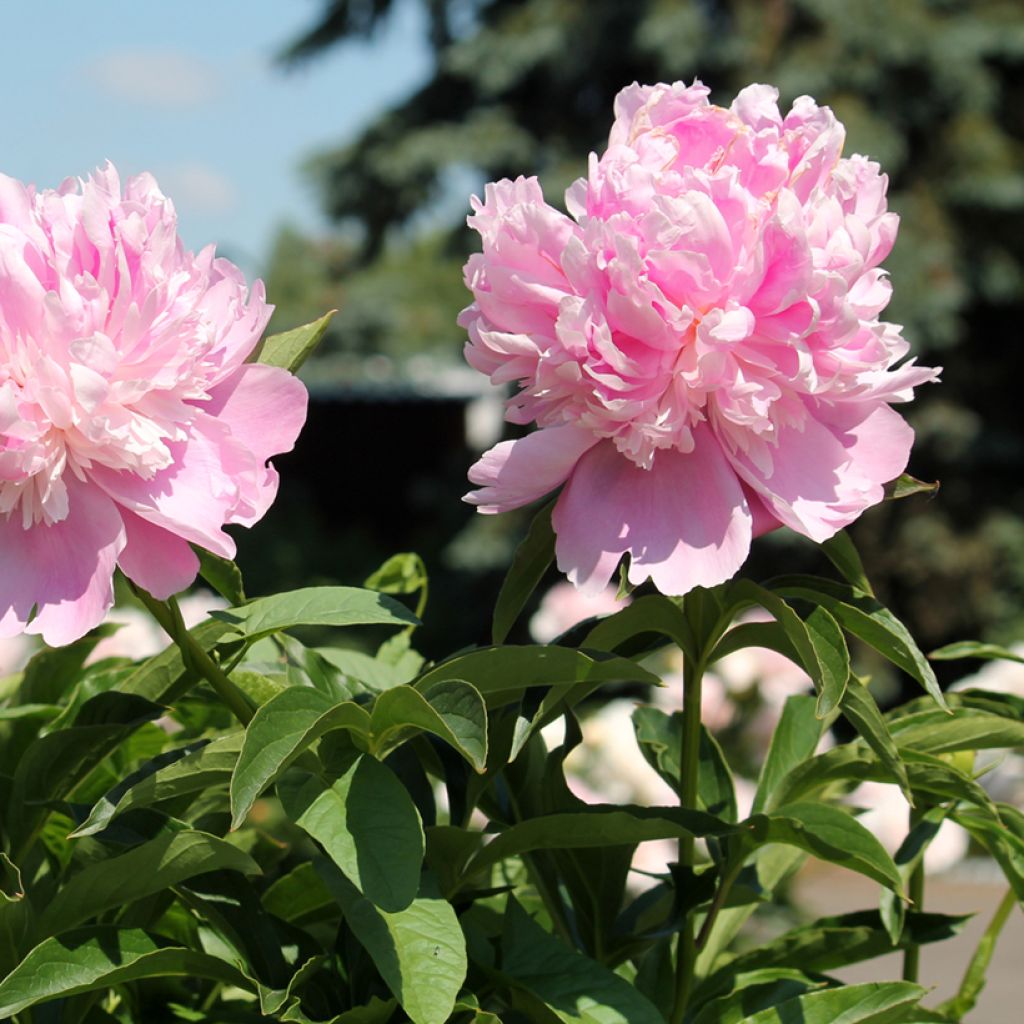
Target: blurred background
[{"x": 331, "y": 148}]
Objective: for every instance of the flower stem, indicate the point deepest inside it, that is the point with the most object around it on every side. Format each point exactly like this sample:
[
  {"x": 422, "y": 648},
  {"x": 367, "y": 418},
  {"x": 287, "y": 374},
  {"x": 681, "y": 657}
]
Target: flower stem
[
  {"x": 915, "y": 890},
  {"x": 168, "y": 615},
  {"x": 689, "y": 766}
]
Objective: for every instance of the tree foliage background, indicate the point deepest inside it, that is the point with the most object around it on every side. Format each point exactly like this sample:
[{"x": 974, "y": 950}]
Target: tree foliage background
[{"x": 933, "y": 89}]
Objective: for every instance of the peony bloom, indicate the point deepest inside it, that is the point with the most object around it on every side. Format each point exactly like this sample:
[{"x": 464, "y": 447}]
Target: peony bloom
[
  {"x": 699, "y": 343},
  {"x": 130, "y": 426}
]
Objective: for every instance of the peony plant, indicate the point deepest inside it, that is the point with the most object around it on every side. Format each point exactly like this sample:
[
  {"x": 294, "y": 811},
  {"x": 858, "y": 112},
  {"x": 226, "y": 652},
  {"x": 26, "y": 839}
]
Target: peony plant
[{"x": 291, "y": 814}]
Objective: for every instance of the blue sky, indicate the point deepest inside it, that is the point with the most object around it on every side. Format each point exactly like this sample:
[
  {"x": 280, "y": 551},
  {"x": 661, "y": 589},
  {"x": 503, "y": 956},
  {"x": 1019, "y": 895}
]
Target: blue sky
[{"x": 187, "y": 89}]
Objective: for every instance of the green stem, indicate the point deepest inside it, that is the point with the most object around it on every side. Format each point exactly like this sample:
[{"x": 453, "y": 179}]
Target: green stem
[
  {"x": 689, "y": 765},
  {"x": 915, "y": 890},
  {"x": 168, "y": 615},
  {"x": 721, "y": 894}
]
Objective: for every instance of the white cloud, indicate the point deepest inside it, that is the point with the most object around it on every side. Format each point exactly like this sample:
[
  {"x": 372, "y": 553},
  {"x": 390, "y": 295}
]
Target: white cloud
[
  {"x": 195, "y": 187},
  {"x": 166, "y": 79}
]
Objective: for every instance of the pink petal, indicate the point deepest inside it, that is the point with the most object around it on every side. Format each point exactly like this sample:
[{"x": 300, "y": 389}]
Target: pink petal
[
  {"x": 65, "y": 570},
  {"x": 826, "y": 472},
  {"x": 155, "y": 559},
  {"x": 514, "y": 473},
  {"x": 265, "y": 409},
  {"x": 192, "y": 498},
  {"x": 685, "y": 522}
]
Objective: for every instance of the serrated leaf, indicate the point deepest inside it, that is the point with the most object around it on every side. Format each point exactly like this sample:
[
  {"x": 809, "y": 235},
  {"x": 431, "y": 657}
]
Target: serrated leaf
[
  {"x": 531, "y": 560},
  {"x": 279, "y": 732},
  {"x": 451, "y": 709},
  {"x": 420, "y": 952},
  {"x": 97, "y": 958},
  {"x": 168, "y": 859},
  {"x": 368, "y": 825},
  {"x": 313, "y": 606},
  {"x": 290, "y": 349}
]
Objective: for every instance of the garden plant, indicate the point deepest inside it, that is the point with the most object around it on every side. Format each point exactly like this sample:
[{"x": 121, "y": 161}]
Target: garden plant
[{"x": 288, "y": 813}]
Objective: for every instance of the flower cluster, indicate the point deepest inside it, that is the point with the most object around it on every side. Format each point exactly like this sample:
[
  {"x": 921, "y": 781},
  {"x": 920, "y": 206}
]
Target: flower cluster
[
  {"x": 130, "y": 425},
  {"x": 698, "y": 343}
]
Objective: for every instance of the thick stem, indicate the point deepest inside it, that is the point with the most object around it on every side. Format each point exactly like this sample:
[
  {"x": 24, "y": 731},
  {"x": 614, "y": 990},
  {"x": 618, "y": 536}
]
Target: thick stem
[
  {"x": 168, "y": 615},
  {"x": 915, "y": 890},
  {"x": 689, "y": 766}
]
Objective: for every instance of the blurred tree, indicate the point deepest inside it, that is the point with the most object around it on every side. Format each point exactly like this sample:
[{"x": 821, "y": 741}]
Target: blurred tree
[{"x": 933, "y": 89}]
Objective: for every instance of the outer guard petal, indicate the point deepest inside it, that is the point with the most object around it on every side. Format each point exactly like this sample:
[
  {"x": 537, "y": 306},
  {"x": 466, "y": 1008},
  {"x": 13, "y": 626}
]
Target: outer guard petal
[{"x": 685, "y": 522}]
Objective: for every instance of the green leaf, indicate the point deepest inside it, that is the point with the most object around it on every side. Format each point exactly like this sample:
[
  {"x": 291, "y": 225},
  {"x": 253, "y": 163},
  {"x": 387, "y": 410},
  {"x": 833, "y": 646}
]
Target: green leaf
[
  {"x": 15, "y": 915},
  {"x": 830, "y": 647},
  {"x": 862, "y": 713},
  {"x": 530, "y": 562},
  {"x": 793, "y": 742},
  {"x": 660, "y": 737},
  {"x": 368, "y": 825},
  {"x": 176, "y": 773},
  {"x": 755, "y": 990},
  {"x": 164, "y": 677},
  {"x": 53, "y": 765},
  {"x": 313, "y": 606},
  {"x": 298, "y": 895},
  {"x": 222, "y": 574},
  {"x": 374, "y": 673},
  {"x": 825, "y": 832},
  {"x": 576, "y": 989},
  {"x": 906, "y": 485},
  {"x": 650, "y": 614},
  {"x": 841, "y": 552},
  {"x": 966, "y": 729},
  {"x": 503, "y": 674},
  {"x": 974, "y": 649},
  {"x": 450, "y": 709},
  {"x": 862, "y": 615},
  {"x": 974, "y": 977},
  {"x": 150, "y": 868},
  {"x": 291, "y": 349},
  {"x": 598, "y": 825},
  {"x": 400, "y": 574},
  {"x": 98, "y": 958},
  {"x": 743, "y": 593},
  {"x": 876, "y": 1002},
  {"x": 828, "y": 944},
  {"x": 279, "y": 732},
  {"x": 420, "y": 952}
]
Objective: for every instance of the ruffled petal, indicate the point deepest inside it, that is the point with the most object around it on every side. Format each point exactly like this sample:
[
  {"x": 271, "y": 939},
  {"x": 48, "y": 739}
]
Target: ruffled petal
[
  {"x": 65, "y": 570},
  {"x": 685, "y": 522},
  {"x": 514, "y": 473},
  {"x": 823, "y": 474},
  {"x": 157, "y": 560}
]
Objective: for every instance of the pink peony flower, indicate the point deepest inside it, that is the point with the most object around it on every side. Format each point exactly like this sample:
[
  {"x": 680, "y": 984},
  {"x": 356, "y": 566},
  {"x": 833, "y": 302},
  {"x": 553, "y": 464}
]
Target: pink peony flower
[
  {"x": 699, "y": 345},
  {"x": 129, "y": 426}
]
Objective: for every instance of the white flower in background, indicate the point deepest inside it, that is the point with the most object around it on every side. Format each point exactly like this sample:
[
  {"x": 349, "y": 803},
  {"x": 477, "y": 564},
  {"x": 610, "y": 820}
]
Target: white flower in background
[
  {"x": 141, "y": 637},
  {"x": 888, "y": 815},
  {"x": 14, "y": 653},
  {"x": 563, "y": 606},
  {"x": 998, "y": 676}
]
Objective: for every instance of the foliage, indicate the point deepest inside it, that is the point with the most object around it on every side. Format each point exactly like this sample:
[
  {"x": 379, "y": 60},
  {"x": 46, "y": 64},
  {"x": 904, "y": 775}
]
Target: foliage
[{"x": 392, "y": 839}]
